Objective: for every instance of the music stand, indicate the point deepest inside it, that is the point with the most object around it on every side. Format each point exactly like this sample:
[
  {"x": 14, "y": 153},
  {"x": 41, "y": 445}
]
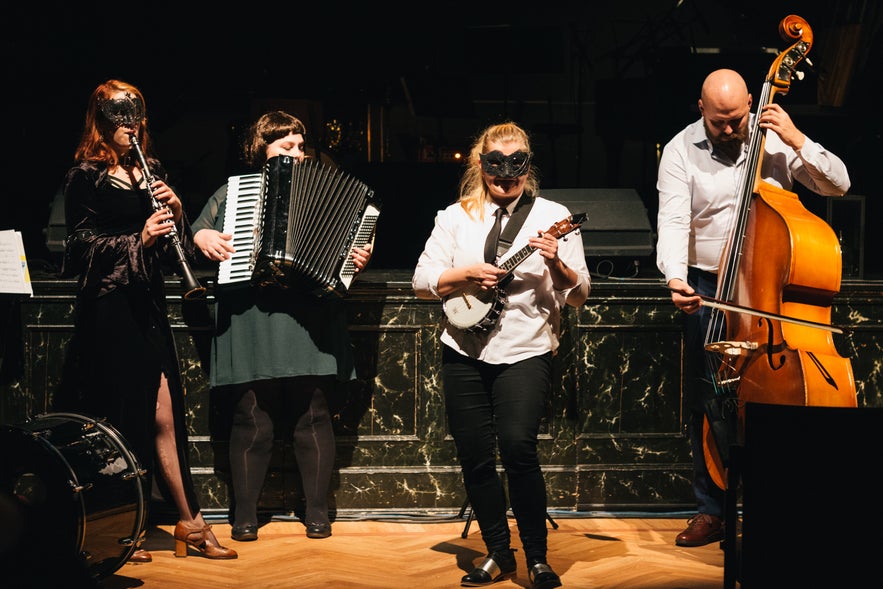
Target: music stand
[{"x": 471, "y": 516}]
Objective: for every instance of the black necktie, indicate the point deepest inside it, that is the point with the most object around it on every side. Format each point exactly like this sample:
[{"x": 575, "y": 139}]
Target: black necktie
[{"x": 490, "y": 245}]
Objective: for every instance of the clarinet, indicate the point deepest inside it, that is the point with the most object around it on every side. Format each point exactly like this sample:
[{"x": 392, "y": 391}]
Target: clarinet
[{"x": 192, "y": 288}]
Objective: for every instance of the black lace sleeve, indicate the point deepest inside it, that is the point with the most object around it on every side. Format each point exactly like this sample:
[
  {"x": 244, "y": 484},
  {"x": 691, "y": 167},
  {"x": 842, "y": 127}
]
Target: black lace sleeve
[
  {"x": 184, "y": 228},
  {"x": 100, "y": 255}
]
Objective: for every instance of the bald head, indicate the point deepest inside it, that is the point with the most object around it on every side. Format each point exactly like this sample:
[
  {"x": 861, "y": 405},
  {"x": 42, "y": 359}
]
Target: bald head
[
  {"x": 725, "y": 105},
  {"x": 724, "y": 94}
]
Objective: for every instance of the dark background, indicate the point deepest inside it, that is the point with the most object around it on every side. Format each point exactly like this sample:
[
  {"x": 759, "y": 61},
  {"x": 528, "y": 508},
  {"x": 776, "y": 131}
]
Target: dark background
[{"x": 392, "y": 92}]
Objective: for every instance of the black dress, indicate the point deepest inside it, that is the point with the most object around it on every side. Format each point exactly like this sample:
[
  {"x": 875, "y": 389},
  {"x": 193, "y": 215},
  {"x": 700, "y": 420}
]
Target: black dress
[{"x": 122, "y": 339}]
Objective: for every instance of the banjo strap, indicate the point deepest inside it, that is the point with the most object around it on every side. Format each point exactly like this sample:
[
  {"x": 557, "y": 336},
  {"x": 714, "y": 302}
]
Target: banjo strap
[{"x": 514, "y": 225}]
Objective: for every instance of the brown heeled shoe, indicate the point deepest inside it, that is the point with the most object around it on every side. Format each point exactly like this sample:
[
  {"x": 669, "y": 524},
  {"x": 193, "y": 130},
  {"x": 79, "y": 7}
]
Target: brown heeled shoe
[{"x": 197, "y": 538}]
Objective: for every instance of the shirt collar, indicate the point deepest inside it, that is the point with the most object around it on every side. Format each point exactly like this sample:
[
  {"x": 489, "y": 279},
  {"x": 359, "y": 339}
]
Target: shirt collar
[
  {"x": 491, "y": 207},
  {"x": 696, "y": 136}
]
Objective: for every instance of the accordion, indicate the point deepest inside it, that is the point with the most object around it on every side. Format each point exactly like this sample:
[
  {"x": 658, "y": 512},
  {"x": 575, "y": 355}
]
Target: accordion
[{"x": 294, "y": 226}]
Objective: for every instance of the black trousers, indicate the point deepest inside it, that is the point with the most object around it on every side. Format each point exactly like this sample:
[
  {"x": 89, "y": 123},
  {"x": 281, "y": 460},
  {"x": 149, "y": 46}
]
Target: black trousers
[
  {"x": 709, "y": 497},
  {"x": 498, "y": 408}
]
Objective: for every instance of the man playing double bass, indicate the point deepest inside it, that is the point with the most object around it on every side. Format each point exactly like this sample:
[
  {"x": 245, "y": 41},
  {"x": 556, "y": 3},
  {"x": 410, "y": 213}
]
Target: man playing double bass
[{"x": 698, "y": 183}]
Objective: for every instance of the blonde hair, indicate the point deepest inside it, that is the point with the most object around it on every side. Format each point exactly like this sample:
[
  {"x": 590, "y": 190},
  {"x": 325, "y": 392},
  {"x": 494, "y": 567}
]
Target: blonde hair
[{"x": 473, "y": 190}]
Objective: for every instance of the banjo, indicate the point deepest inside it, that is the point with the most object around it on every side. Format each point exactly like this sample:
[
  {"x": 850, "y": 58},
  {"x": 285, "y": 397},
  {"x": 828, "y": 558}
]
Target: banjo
[{"x": 477, "y": 310}]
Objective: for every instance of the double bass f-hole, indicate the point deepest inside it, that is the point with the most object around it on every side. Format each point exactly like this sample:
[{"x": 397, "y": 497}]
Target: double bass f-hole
[
  {"x": 771, "y": 348},
  {"x": 824, "y": 371}
]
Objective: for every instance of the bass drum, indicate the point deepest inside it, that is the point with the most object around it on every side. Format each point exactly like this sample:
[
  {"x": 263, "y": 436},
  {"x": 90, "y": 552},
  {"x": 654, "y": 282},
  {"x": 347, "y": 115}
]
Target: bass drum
[{"x": 69, "y": 483}]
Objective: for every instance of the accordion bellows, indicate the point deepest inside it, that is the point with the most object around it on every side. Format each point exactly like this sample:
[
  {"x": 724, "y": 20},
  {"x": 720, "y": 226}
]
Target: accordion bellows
[{"x": 295, "y": 224}]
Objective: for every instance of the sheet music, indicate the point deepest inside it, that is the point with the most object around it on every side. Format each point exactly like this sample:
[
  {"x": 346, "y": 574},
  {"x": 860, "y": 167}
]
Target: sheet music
[{"x": 14, "y": 276}]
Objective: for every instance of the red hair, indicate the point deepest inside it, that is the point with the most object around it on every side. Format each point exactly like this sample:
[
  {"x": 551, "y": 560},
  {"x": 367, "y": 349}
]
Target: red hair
[{"x": 95, "y": 144}]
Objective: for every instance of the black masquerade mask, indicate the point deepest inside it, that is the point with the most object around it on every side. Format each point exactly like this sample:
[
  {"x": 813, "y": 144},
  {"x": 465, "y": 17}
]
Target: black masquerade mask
[
  {"x": 123, "y": 112},
  {"x": 505, "y": 166}
]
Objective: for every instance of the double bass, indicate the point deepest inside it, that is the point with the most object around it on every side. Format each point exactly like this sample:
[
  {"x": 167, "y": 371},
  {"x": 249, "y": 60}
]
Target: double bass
[{"x": 770, "y": 338}]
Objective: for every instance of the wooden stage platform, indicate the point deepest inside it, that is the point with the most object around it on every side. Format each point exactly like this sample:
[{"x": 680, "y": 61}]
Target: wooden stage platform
[{"x": 595, "y": 552}]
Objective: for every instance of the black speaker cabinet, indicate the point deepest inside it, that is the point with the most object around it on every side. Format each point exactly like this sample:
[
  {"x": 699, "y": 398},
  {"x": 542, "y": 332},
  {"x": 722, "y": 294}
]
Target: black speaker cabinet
[
  {"x": 812, "y": 508},
  {"x": 617, "y": 223}
]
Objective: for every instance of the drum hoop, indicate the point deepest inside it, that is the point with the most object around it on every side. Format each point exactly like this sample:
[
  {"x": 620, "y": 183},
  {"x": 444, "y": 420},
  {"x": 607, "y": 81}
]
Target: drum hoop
[
  {"x": 122, "y": 445},
  {"x": 72, "y": 479}
]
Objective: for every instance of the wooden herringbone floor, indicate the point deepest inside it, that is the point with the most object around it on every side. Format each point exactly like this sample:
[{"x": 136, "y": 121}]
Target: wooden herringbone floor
[{"x": 591, "y": 552}]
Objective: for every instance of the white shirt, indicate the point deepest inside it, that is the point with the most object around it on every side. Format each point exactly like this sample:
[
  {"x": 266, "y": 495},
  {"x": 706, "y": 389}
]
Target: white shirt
[
  {"x": 698, "y": 193},
  {"x": 529, "y": 323}
]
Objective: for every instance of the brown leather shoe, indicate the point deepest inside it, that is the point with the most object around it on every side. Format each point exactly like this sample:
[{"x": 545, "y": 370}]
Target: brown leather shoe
[
  {"x": 198, "y": 539},
  {"x": 702, "y": 529},
  {"x": 141, "y": 555}
]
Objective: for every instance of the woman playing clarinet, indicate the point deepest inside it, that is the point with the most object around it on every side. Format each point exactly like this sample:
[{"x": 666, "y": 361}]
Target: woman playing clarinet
[{"x": 121, "y": 362}]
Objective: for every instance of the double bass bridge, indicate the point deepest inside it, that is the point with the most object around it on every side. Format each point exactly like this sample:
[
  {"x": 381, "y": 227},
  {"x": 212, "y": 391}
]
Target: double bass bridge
[{"x": 730, "y": 348}]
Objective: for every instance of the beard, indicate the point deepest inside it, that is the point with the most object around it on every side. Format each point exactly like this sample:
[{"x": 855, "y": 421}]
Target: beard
[{"x": 730, "y": 145}]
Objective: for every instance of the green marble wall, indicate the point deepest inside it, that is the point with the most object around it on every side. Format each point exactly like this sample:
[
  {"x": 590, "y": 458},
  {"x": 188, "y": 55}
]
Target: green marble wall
[{"x": 612, "y": 439}]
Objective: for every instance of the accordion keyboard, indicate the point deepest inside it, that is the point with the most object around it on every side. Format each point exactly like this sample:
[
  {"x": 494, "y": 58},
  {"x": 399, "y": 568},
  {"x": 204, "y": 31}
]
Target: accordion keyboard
[
  {"x": 241, "y": 219},
  {"x": 363, "y": 235}
]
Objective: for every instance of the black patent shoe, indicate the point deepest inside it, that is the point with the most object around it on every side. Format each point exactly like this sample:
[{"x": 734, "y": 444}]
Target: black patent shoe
[
  {"x": 495, "y": 567},
  {"x": 317, "y": 530},
  {"x": 542, "y": 576},
  {"x": 246, "y": 533}
]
